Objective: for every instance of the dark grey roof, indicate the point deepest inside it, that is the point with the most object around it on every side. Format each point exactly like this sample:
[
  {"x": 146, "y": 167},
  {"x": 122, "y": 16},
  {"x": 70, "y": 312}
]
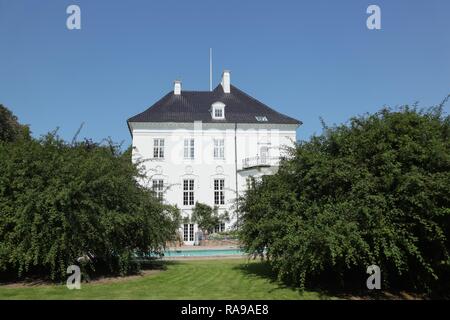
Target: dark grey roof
[{"x": 196, "y": 105}]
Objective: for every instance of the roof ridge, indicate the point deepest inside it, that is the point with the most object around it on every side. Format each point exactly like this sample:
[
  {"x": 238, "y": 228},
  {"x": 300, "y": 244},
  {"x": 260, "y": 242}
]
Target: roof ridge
[
  {"x": 193, "y": 105},
  {"x": 262, "y": 103},
  {"x": 196, "y": 91}
]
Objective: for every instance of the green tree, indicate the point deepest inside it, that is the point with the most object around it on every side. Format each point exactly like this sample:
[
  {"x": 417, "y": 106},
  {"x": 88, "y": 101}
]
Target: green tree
[
  {"x": 207, "y": 217},
  {"x": 10, "y": 129},
  {"x": 373, "y": 191},
  {"x": 61, "y": 201}
]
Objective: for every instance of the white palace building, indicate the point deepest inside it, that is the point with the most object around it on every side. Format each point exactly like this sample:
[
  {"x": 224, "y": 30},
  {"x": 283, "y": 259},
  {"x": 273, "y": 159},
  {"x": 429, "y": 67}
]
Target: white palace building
[{"x": 203, "y": 145}]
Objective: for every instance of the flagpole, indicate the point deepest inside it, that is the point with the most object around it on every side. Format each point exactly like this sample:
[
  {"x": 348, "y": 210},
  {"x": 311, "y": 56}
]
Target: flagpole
[{"x": 210, "y": 69}]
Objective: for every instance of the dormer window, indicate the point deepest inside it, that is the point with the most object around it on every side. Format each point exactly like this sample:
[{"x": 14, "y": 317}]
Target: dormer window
[
  {"x": 261, "y": 118},
  {"x": 218, "y": 111}
]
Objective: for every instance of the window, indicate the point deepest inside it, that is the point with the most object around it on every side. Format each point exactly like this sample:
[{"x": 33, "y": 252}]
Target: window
[
  {"x": 158, "y": 148},
  {"x": 264, "y": 154},
  {"x": 189, "y": 148},
  {"x": 218, "y": 110},
  {"x": 218, "y": 113},
  {"x": 219, "y": 149},
  {"x": 219, "y": 193},
  {"x": 186, "y": 232},
  {"x": 158, "y": 188},
  {"x": 219, "y": 228},
  {"x": 261, "y": 118},
  {"x": 188, "y": 192},
  {"x": 191, "y": 232}
]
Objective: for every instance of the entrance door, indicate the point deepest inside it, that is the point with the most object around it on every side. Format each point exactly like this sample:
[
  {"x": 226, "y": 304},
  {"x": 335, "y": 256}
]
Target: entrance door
[
  {"x": 188, "y": 232},
  {"x": 264, "y": 154}
]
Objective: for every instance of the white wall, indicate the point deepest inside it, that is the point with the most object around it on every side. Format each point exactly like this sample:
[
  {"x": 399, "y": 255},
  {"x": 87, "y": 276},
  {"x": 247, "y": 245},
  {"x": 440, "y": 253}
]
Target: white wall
[{"x": 204, "y": 168}]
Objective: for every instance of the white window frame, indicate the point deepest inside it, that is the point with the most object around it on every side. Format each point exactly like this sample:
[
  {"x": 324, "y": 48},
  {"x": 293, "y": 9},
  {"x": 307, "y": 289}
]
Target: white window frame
[
  {"x": 261, "y": 118},
  {"x": 218, "y": 113},
  {"x": 191, "y": 232},
  {"x": 189, "y": 148},
  {"x": 158, "y": 148},
  {"x": 158, "y": 188},
  {"x": 220, "y": 227},
  {"x": 218, "y": 107},
  {"x": 219, "y": 149},
  {"x": 264, "y": 154},
  {"x": 219, "y": 192},
  {"x": 188, "y": 192},
  {"x": 188, "y": 232}
]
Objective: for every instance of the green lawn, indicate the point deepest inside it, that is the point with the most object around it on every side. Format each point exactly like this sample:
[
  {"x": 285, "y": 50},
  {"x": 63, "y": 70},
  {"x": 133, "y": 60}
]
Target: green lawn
[{"x": 200, "y": 279}]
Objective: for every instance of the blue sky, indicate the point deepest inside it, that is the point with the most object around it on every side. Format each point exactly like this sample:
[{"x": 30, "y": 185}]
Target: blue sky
[{"x": 307, "y": 59}]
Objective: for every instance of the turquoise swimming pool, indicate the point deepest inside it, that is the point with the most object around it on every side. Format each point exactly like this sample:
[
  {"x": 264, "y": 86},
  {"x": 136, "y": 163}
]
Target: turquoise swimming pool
[{"x": 203, "y": 253}]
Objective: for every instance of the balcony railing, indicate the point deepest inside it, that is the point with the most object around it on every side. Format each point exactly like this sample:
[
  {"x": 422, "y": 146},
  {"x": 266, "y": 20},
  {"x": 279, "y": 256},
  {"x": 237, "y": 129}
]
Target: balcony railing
[{"x": 259, "y": 162}]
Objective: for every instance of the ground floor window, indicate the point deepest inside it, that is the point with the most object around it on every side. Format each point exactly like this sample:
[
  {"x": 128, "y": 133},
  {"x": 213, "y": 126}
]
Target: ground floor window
[
  {"x": 220, "y": 227},
  {"x": 188, "y": 232},
  {"x": 185, "y": 232},
  {"x": 191, "y": 232}
]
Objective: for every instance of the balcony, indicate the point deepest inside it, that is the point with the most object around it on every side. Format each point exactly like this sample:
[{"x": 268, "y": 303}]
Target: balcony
[{"x": 257, "y": 162}]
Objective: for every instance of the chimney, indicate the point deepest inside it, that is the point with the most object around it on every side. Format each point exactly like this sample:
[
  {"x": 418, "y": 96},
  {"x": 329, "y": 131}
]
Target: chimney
[
  {"x": 226, "y": 81},
  {"x": 177, "y": 87}
]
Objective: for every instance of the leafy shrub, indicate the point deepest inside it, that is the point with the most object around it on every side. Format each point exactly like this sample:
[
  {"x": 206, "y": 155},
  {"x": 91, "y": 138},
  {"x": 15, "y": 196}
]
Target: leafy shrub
[
  {"x": 374, "y": 191},
  {"x": 224, "y": 235},
  {"x": 207, "y": 217},
  {"x": 61, "y": 201}
]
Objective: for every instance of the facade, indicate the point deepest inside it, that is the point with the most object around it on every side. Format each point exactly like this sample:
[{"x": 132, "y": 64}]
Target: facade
[{"x": 204, "y": 145}]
